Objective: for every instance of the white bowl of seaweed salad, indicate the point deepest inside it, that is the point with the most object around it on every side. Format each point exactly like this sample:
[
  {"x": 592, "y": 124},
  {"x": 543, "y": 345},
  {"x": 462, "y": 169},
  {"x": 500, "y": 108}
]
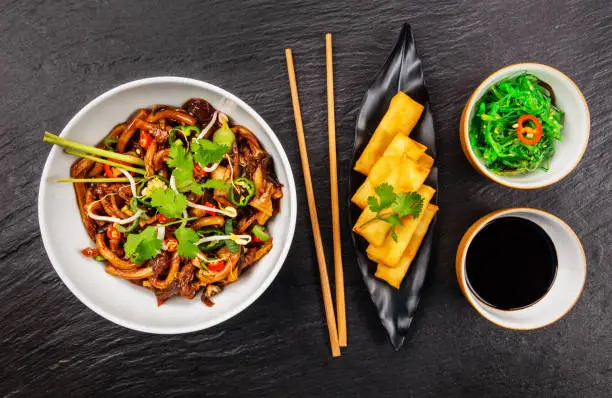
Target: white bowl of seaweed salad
[{"x": 526, "y": 126}]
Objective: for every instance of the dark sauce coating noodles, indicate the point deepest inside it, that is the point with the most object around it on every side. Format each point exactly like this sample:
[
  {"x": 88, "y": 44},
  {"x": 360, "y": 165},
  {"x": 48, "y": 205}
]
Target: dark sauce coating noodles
[{"x": 148, "y": 134}]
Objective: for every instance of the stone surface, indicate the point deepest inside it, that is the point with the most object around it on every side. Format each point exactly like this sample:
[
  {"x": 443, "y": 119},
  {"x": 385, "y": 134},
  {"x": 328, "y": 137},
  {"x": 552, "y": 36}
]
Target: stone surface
[{"x": 57, "y": 56}]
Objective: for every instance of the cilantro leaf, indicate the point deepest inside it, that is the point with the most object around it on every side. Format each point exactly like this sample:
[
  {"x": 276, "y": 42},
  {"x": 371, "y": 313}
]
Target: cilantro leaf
[
  {"x": 395, "y": 221},
  {"x": 373, "y": 203},
  {"x": 208, "y": 184},
  {"x": 402, "y": 205},
  {"x": 215, "y": 184},
  {"x": 186, "y": 242},
  {"x": 186, "y": 184},
  {"x": 170, "y": 203},
  {"x": 179, "y": 158},
  {"x": 408, "y": 204},
  {"x": 181, "y": 161},
  {"x": 386, "y": 197},
  {"x": 183, "y": 179},
  {"x": 206, "y": 152},
  {"x": 143, "y": 246},
  {"x": 231, "y": 245},
  {"x": 196, "y": 188}
]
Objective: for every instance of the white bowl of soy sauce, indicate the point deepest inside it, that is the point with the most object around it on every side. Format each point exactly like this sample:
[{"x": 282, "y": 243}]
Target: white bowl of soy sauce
[{"x": 521, "y": 268}]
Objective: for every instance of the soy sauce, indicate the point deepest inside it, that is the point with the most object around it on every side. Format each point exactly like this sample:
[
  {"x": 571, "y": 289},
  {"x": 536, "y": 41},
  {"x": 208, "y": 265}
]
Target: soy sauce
[{"x": 511, "y": 263}]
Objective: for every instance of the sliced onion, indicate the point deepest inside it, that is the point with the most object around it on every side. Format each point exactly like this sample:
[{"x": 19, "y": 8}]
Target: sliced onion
[
  {"x": 213, "y": 238},
  {"x": 161, "y": 232},
  {"x": 227, "y": 211},
  {"x": 132, "y": 182},
  {"x": 211, "y": 168},
  {"x": 229, "y": 162},
  {"x": 205, "y": 259},
  {"x": 208, "y": 126},
  {"x": 230, "y": 212},
  {"x": 239, "y": 239},
  {"x": 120, "y": 221},
  {"x": 173, "y": 183}
]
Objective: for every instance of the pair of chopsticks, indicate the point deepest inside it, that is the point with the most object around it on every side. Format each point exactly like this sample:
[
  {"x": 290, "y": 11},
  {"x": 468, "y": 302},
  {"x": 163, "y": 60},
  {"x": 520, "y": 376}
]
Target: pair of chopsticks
[{"x": 337, "y": 336}]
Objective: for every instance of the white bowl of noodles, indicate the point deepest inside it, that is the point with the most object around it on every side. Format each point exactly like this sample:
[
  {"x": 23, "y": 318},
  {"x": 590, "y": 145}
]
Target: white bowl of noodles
[{"x": 64, "y": 235}]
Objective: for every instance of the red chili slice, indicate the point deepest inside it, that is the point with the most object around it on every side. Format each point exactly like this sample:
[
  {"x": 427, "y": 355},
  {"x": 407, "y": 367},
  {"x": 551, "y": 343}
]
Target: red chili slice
[
  {"x": 112, "y": 232},
  {"x": 216, "y": 266},
  {"x": 529, "y": 135},
  {"x": 111, "y": 172},
  {"x": 208, "y": 212},
  {"x": 90, "y": 252},
  {"x": 145, "y": 140},
  {"x": 199, "y": 172}
]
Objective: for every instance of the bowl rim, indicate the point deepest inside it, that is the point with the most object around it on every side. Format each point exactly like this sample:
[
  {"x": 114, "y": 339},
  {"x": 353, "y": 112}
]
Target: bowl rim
[
  {"x": 466, "y": 240},
  {"x": 464, "y": 126},
  {"x": 284, "y": 161}
]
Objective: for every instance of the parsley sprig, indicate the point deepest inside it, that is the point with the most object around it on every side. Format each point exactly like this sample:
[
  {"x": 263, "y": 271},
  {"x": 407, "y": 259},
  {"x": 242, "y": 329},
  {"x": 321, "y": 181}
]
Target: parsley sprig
[
  {"x": 206, "y": 152},
  {"x": 143, "y": 246},
  {"x": 187, "y": 238},
  {"x": 181, "y": 159},
  {"x": 215, "y": 184},
  {"x": 168, "y": 202},
  {"x": 391, "y": 207}
]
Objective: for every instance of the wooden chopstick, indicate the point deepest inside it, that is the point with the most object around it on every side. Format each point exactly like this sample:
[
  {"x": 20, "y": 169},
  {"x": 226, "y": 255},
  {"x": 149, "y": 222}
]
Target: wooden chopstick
[
  {"x": 333, "y": 183},
  {"x": 312, "y": 208}
]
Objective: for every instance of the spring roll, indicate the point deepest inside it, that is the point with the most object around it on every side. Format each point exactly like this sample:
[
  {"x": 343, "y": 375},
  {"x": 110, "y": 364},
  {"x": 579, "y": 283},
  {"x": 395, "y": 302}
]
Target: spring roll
[
  {"x": 411, "y": 176},
  {"x": 426, "y": 161},
  {"x": 404, "y": 174},
  {"x": 401, "y": 117},
  {"x": 404, "y": 145},
  {"x": 390, "y": 167},
  {"x": 383, "y": 169},
  {"x": 394, "y": 276},
  {"x": 390, "y": 252},
  {"x": 374, "y": 231}
]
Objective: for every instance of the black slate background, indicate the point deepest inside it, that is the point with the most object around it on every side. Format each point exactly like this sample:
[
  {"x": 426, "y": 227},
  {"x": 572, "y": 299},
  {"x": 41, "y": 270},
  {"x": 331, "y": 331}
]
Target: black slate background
[{"x": 57, "y": 56}]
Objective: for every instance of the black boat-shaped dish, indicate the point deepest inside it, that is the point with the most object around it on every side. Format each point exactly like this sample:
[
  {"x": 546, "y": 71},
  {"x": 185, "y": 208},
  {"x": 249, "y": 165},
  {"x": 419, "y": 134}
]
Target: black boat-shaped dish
[{"x": 401, "y": 72}]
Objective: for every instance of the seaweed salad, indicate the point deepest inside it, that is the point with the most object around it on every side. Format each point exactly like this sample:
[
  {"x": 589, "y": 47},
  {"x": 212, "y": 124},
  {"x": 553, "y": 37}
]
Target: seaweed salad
[{"x": 516, "y": 125}]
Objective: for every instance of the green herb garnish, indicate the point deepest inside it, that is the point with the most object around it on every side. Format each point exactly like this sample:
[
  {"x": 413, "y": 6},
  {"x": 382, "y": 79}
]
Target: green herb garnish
[
  {"x": 170, "y": 203},
  {"x": 231, "y": 245},
  {"x": 181, "y": 160},
  {"x": 143, "y": 246},
  {"x": 215, "y": 184},
  {"x": 206, "y": 152},
  {"x": 186, "y": 241},
  {"x": 391, "y": 207},
  {"x": 209, "y": 231},
  {"x": 107, "y": 143}
]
